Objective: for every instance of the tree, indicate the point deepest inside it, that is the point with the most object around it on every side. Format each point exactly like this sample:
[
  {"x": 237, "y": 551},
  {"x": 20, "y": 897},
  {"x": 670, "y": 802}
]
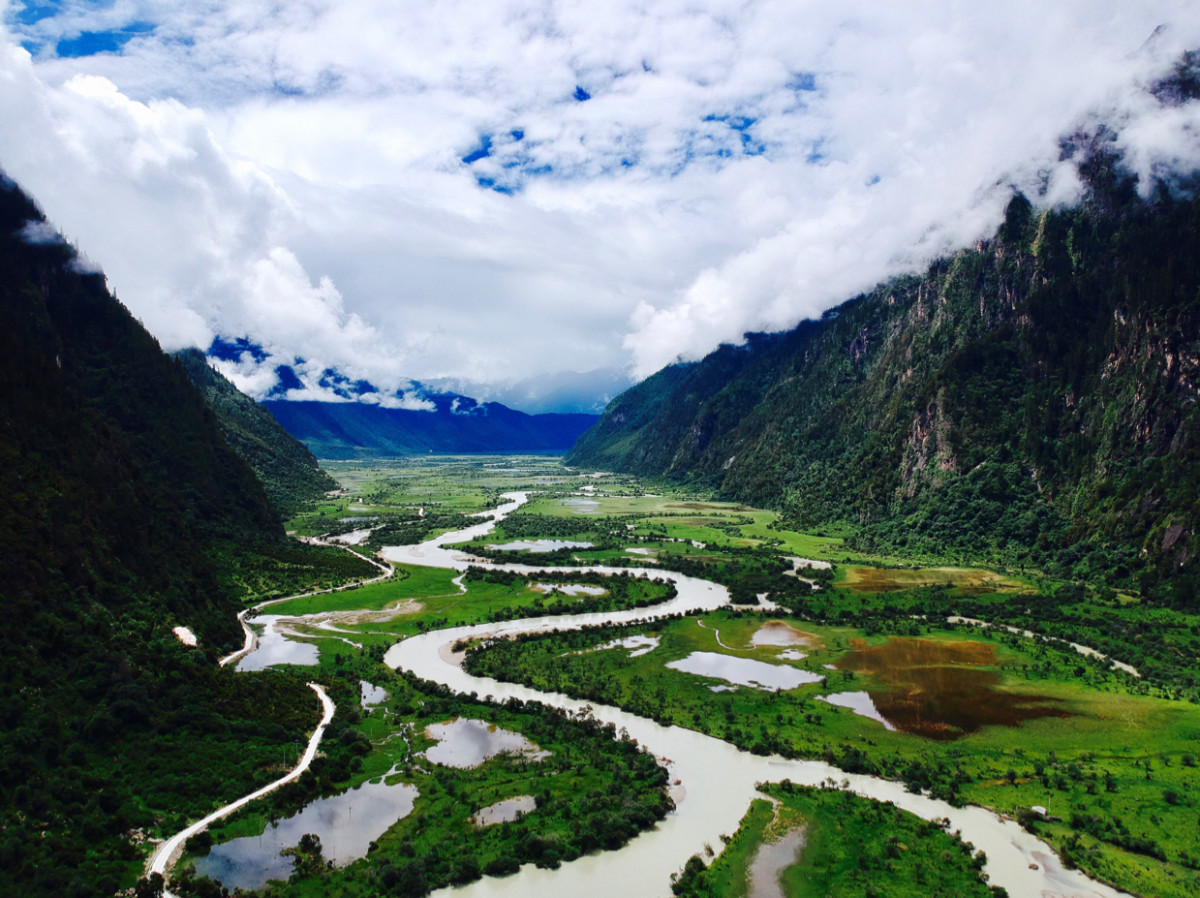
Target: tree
[{"x": 149, "y": 886}]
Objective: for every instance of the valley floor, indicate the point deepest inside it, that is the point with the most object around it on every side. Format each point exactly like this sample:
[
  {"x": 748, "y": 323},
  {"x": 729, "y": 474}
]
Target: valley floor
[{"x": 860, "y": 668}]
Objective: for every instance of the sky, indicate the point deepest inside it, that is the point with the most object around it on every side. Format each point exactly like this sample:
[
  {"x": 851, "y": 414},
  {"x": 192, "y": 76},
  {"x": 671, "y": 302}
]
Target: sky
[{"x": 530, "y": 200}]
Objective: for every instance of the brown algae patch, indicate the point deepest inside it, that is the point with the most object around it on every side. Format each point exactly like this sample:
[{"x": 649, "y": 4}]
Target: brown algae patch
[
  {"x": 940, "y": 690},
  {"x": 870, "y": 579},
  {"x": 781, "y": 633}
]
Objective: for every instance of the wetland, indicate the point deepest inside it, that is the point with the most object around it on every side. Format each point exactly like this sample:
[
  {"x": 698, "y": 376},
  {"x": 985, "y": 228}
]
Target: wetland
[{"x": 931, "y": 716}]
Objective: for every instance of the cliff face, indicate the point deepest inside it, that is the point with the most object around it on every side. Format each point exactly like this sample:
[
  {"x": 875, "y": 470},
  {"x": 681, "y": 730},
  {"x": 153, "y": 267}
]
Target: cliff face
[{"x": 1030, "y": 399}]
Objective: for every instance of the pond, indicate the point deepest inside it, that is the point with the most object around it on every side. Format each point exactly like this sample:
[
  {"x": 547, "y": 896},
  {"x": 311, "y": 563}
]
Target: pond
[
  {"x": 347, "y": 824},
  {"x": 504, "y": 811},
  {"x": 540, "y": 545},
  {"x": 744, "y": 672},
  {"x": 860, "y": 703},
  {"x": 582, "y": 506},
  {"x": 370, "y": 694},
  {"x": 571, "y": 589},
  {"x": 464, "y": 743},
  {"x": 640, "y": 645},
  {"x": 941, "y": 690},
  {"x": 274, "y": 648}
]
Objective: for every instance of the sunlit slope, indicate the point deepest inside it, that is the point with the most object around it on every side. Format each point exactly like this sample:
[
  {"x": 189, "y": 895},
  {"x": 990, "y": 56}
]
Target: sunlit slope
[{"x": 1029, "y": 400}]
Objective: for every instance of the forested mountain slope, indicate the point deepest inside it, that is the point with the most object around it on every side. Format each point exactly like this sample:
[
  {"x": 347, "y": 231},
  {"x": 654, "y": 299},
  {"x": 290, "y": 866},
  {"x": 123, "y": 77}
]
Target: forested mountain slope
[
  {"x": 1031, "y": 399},
  {"x": 287, "y": 469},
  {"x": 116, "y": 491}
]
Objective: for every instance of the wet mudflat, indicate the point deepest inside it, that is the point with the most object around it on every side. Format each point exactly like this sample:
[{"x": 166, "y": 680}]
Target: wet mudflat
[
  {"x": 777, "y": 632},
  {"x": 504, "y": 811},
  {"x": 771, "y": 859},
  {"x": 941, "y": 690}
]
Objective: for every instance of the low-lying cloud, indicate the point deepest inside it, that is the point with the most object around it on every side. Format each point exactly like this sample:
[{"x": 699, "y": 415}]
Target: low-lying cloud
[{"x": 496, "y": 192}]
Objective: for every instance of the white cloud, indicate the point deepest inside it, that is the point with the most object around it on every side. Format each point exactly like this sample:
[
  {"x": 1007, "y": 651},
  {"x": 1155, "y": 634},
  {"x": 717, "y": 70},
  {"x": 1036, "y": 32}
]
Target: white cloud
[{"x": 293, "y": 173}]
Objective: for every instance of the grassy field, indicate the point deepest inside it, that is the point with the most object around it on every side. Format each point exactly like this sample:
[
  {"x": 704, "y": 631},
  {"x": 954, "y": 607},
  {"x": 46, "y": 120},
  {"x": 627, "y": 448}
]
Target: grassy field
[{"x": 869, "y": 579}]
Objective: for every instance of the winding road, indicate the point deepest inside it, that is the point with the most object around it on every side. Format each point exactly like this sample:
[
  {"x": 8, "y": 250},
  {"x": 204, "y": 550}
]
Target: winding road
[{"x": 168, "y": 852}]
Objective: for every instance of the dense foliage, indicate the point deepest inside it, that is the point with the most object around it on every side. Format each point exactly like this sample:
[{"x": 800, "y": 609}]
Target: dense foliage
[
  {"x": 115, "y": 487},
  {"x": 852, "y": 847},
  {"x": 1030, "y": 401}
]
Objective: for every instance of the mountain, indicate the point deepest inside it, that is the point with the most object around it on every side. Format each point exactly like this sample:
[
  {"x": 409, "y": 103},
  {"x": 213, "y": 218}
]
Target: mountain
[
  {"x": 287, "y": 470},
  {"x": 1030, "y": 400},
  {"x": 559, "y": 392},
  {"x": 117, "y": 494},
  {"x": 455, "y": 424}
]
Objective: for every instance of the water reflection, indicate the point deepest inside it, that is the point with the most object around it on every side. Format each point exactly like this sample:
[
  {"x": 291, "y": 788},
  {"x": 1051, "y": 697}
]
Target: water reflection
[
  {"x": 504, "y": 811},
  {"x": 744, "y": 672},
  {"x": 771, "y": 859},
  {"x": 275, "y": 648},
  {"x": 464, "y": 742},
  {"x": 540, "y": 545},
  {"x": 371, "y": 694},
  {"x": 860, "y": 703},
  {"x": 638, "y": 645},
  {"x": 347, "y": 824}
]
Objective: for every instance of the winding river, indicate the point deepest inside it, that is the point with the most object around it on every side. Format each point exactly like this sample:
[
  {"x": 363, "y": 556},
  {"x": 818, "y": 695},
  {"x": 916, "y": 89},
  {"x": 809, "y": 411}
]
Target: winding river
[{"x": 718, "y": 780}]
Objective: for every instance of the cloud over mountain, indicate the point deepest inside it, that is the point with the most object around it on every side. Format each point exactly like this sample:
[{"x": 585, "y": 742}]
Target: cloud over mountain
[{"x": 497, "y": 192}]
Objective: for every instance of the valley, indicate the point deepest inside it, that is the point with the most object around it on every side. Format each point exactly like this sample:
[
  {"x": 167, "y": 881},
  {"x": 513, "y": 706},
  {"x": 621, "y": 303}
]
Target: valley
[{"x": 893, "y": 704}]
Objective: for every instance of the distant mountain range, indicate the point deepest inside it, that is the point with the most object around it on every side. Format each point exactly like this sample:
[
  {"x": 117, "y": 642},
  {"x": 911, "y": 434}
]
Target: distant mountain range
[
  {"x": 1032, "y": 400},
  {"x": 455, "y": 424}
]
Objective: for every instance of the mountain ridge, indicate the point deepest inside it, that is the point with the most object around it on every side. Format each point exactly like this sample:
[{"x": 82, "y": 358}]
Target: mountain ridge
[
  {"x": 343, "y": 430},
  {"x": 286, "y": 468},
  {"x": 1030, "y": 400}
]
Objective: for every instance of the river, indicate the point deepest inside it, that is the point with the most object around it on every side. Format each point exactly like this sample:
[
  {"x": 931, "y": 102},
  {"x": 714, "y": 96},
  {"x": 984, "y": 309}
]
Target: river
[{"x": 718, "y": 780}]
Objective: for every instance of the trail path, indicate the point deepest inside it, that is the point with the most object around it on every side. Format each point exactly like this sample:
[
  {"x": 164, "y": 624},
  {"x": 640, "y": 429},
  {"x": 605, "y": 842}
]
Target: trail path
[{"x": 169, "y": 851}]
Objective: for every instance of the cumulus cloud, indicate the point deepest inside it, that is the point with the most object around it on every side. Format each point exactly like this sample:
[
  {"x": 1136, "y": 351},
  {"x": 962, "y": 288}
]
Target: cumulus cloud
[{"x": 491, "y": 192}]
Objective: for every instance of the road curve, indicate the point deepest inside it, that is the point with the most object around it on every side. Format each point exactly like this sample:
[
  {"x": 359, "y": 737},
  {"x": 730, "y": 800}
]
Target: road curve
[
  {"x": 168, "y": 852},
  {"x": 252, "y": 640}
]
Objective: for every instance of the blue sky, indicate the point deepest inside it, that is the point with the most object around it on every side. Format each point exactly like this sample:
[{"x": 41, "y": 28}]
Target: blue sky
[{"x": 487, "y": 194}]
